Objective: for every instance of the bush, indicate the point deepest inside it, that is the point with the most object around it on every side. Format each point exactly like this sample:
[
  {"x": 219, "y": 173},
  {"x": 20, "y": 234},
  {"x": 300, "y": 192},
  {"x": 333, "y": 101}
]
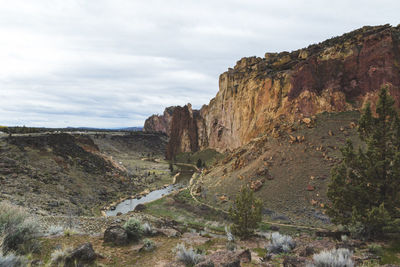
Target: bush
[
  {"x": 375, "y": 249},
  {"x": 58, "y": 256},
  {"x": 134, "y": 229},
  {"x": 21, "y": 238},
  {"x": 187, "y": 256},
  {"x": 17, "y": 230},
  {"x": 55, "y": 230},
  {"x": 12, "y": 260},
  {"x": 148, "y": 245},
  {"x": 11, "y": 215},
  {"x": 280, "y": 243},
  {"x": 229, "y": 235},
  {"x": 245, "y": 213},
  {"x": 148, "y": 229},
  {"x": 334, "y": 258}
]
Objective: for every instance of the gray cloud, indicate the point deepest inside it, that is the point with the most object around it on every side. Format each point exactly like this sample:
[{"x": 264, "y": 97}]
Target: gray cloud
[{"x": 110, "y": 63}]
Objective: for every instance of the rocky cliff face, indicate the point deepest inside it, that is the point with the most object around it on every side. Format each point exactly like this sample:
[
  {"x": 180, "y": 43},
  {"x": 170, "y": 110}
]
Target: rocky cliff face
[
  {"x": 160, "y": 123},
  {"x": 259, "y": 94}
]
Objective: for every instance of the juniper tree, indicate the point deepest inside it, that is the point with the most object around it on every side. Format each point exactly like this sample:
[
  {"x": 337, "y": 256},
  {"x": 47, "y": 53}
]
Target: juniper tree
[
  {"x": 365, "y": 186},
  {"x": 245, "y": 213}
]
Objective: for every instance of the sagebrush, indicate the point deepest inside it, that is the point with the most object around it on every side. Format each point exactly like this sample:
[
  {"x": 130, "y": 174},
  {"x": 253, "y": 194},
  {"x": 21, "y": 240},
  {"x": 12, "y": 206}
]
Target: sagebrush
[
  {"x": 280, "y": 243},
  {"x": 18, "y": 231},
  {"x": 333, "y": 258},
  {"x": 187, "y": 255},
  {"x": 134, "y": 229},
  {"x": 12, "y": 260}
]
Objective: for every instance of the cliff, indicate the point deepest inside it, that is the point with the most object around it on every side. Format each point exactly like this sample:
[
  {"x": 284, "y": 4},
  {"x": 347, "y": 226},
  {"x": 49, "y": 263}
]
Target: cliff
[
  {"x": 160, "y": 123},
  {"x": 261, "y": 95}
]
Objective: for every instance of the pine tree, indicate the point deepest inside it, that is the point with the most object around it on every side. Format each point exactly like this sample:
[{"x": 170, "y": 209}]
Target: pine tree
[
  {"x": 199, "y": 163},
  {"x": 365, "y": 187},
  {"x": 245, "y": 213}
]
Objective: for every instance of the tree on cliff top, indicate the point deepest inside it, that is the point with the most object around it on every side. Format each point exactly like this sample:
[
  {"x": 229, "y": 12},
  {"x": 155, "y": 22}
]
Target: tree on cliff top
[
  {"x": 245, "y": 213},
  {"x": 365, "y": 187}
]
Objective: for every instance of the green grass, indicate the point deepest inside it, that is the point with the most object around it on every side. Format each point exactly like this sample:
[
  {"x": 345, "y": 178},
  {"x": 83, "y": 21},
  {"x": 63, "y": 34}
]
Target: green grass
[
  {"x": 208, "y": 156},
  {"x": 391, "y": 253},
  {"x": 162, "y": 208},
  {"x": 209, "y": 245},
  {"x": 261, "y": 252},
  {"x": 264, "y": 227}
]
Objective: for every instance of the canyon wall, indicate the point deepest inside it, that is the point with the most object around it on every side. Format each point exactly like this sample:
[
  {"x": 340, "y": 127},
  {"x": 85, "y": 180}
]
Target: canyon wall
[
  {"x": 258, "y": 94},
  {"x": 160, "y": 123}
]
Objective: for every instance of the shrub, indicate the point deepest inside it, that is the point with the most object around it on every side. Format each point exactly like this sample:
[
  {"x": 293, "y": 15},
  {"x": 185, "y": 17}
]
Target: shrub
[
  {"x": 70, "y": 231},
  {"x": 11, "y": 260},
  {"x": 334, "y": 258},
  {"x": 11, "y": 215},
  {"x": 147, "y": 229},
  {"x": 134, "y": 229},
  {"x": 55, "y": 230},
  {"x": 21, "y": 238},
  {"x": 229, "y": 235},
  {"x": 58, "y": 256},
  {"x": 187, "y": 256},
  {"x": 280, "y": 243},
  {"x": 148, "y": 245},
  {"x": 18, "y": 231},
  {"x": 375, "y": 249},
  {"x": 245, "y": 213}
]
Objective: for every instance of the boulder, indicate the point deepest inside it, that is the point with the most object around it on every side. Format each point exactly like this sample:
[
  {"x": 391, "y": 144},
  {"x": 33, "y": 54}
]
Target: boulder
[
  {"x": 117, "y": 235},
  {"x": 84, "y": 254},
  {"x": 140, "y": 208}
]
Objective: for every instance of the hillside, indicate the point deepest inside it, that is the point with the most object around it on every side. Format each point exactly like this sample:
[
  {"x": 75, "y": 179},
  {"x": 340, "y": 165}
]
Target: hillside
[{"x": 53, "y": 174}]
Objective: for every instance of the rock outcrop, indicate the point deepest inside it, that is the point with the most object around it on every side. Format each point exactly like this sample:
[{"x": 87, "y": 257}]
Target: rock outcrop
[
  {"x": 160, "y": 123},
  {"x": 259, "y": 94},
  {"x": 184, "y": 135}
]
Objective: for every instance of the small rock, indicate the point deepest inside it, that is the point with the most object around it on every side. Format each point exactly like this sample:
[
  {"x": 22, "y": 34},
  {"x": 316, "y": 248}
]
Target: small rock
[
  {"x": 307, "y": 251},
  {"x": 140, "y": 208},
  {"x": 310, "y": 188},
  {"x": 82, "y": 254}
]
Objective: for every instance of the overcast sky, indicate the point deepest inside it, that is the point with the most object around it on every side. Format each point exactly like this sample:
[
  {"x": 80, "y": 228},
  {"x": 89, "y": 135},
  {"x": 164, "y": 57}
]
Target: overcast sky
[{"x": 112, "y": 63}]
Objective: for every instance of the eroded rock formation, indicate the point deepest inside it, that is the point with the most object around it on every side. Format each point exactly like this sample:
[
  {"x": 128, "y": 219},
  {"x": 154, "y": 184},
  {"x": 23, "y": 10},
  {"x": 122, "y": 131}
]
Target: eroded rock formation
[
  {"x": 160, "y": 123},
  {"x": 258, "y": 94}
]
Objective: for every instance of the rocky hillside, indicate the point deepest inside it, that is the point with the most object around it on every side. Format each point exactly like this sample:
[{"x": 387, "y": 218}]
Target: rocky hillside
[
  {"x": 259, "y": 94},
  {"x": 78, "y": 174}
]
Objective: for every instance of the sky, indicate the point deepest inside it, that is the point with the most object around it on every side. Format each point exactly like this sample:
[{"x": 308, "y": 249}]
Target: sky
[{"x": 113, "y": 63}]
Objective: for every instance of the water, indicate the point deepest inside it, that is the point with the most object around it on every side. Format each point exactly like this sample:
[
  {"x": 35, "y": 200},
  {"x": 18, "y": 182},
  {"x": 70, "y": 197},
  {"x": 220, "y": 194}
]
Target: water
[{"x": 130, "y": 204}]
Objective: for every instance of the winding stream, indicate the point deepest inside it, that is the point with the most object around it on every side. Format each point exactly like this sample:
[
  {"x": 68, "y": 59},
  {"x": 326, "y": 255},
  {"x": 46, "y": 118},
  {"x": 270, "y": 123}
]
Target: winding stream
[{"x": 130, "y": 204}]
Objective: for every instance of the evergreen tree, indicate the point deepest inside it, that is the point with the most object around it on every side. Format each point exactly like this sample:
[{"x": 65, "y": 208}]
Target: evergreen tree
[
  {"x": 245, "y": 213},
  {"x": 199, "y": 163},
  {"x": 365, "y": 187}
]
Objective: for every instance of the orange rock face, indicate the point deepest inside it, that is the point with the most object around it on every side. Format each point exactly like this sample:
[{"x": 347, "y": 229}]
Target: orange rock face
[
  {"x": 259, "y": 94},
  {"x": 160, "y": 123}
]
